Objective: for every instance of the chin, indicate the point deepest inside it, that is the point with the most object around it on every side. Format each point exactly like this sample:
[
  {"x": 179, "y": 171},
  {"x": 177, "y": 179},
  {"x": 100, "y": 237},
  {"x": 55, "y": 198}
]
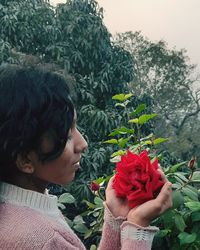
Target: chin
[{"x": 66, "y": 181}]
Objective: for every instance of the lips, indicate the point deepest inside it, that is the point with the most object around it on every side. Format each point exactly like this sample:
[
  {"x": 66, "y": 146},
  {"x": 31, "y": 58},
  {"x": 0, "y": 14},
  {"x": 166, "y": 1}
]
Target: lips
[{"x": 76, "y": 164}]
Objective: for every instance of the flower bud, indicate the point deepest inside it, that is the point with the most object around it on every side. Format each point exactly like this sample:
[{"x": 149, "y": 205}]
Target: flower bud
[
  {"x": 94, "y": 186},
  {"x": 191, "y": 163}
]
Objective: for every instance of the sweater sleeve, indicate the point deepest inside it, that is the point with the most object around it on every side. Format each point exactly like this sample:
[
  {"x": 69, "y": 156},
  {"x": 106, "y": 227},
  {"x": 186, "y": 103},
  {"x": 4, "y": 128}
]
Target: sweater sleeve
[
  {"x": 110, "y": 239},
  {"x": 58, "y": 242},
  {"x": 134, "y": 237}
]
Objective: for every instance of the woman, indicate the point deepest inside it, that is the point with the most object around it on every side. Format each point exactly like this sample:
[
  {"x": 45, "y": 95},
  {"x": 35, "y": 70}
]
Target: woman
[{"x": 40, "y": 144}]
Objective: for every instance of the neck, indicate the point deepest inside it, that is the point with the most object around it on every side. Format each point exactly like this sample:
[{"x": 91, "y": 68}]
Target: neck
[{"x": 29, "y": 182}]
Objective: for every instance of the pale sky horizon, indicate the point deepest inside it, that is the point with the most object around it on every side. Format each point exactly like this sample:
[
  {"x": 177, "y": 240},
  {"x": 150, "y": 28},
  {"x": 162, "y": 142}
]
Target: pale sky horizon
[{"x": 175, "y": 21}]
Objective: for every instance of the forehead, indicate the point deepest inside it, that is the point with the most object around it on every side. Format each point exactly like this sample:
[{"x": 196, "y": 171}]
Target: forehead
[
  {"x": 75, "y": 118},
  {"x": 75, "y": 115}
]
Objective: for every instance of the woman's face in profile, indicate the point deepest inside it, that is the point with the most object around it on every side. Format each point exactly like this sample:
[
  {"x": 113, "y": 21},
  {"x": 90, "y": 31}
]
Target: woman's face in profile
[{"x": 62, "y": 169}]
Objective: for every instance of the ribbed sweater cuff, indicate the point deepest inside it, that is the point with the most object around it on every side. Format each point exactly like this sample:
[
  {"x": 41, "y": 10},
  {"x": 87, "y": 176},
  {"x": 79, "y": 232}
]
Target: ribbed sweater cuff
[
  {"x": 111, "y": 220},
  {"x": 134, "y": 232}
]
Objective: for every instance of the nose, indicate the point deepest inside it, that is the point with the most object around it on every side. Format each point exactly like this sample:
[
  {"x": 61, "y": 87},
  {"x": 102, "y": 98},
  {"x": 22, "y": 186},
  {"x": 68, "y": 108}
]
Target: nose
[{"x": 81, "y": 144}]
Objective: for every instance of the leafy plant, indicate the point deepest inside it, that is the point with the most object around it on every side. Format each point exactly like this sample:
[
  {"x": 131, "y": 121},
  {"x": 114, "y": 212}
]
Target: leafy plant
[{"x": 179, "y": 226}]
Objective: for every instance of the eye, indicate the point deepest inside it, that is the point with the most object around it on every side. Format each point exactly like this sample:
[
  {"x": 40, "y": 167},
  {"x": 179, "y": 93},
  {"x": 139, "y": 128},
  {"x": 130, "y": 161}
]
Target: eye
[{"x": 69, "y": 137}]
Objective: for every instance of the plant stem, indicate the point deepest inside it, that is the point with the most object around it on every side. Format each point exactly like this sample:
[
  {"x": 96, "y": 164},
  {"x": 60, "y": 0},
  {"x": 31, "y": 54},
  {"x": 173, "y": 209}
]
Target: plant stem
[
  {"x": 188, "y": 182},
  {"x": 100, "y": 195}
]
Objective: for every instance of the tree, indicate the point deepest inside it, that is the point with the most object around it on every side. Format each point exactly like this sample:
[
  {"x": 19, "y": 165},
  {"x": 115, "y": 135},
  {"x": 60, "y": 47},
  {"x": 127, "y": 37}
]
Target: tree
[
  {"x": 168, "y": 78},
  {"x": 72, "y": 36},
  {"x": 27, "y": 25},
  {"x": 101, "y": 69}
]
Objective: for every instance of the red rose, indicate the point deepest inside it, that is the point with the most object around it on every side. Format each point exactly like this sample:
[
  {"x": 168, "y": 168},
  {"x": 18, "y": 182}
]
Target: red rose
[
  {"x": 94, "y": 186},
  {"x": 137, "y": 179}
]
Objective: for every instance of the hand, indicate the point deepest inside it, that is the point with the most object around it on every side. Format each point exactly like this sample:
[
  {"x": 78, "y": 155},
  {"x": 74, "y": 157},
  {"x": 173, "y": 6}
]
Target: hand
[
  {"x": 145, "y": 213},
  {"x": 117, "y": 206}
]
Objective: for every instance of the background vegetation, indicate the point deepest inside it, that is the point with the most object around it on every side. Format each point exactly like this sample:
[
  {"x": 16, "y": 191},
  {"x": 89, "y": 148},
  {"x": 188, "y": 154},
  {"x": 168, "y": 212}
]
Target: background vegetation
[{"x": 73, "y": 39}]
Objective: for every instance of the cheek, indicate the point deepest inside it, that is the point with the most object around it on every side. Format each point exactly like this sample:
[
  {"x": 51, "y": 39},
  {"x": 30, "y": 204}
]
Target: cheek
[
  {"x": 63, "y": 165},
  {"x": 59, "y": 171},
  {"x": 65, "y": 159}
]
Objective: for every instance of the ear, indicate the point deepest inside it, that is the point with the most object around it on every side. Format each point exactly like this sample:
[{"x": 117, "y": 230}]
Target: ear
[{"x": 24, "y": 164}]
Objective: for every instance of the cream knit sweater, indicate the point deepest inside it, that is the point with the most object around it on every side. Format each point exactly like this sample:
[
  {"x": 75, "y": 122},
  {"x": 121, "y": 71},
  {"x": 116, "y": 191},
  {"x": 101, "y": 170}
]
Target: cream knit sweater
[{"x": 32, "y": 221}]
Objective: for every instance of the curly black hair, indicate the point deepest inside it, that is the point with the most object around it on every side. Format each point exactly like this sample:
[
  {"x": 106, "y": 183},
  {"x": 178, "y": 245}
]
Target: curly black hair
[{"x": 33, "y": 103}]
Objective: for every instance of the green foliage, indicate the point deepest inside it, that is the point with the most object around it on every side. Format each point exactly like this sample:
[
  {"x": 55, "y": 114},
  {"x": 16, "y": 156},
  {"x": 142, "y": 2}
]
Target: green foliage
[
  {"x": 181, "y": 222},
  {"x": 23, "y": 22},
  {"x": 169, "y": 79},
  {"x": 179, "y": 225},
  {"x": 122, "y": 138}
]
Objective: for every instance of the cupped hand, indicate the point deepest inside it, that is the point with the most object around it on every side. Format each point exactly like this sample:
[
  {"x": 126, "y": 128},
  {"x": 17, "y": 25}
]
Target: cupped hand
[
  {"x": 145, "y": 213},
  {"x": 117, "y": 206}
]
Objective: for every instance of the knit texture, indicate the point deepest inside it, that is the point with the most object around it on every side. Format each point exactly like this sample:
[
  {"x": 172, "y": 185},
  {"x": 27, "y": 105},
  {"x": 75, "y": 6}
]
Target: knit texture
[
  {"x": 133, "y": 235},
  {"x": 25, "y": 229},
  {"x": 26, "y": 224},
  {"x": 43, "y": 203}
]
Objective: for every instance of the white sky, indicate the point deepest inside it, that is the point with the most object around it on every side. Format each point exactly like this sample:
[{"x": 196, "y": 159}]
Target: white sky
[{"x": 175, "y": 21}]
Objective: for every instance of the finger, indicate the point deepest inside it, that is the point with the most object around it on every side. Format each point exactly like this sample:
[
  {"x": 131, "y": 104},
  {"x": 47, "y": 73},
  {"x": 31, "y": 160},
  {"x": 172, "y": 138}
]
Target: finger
[
  {"x": 163, "y": 176},
  {"x": 165, "y": 193},
  {"x": 110, "y": 183}
]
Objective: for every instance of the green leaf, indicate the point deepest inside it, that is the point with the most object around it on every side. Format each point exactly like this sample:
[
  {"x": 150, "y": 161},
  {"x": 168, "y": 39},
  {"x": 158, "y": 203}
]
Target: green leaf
[
  {"x": 99, "y": 180},
  {"x": 93, "y": 247},
  {"x": 111, "y": 141},
  {"x": 136, "y": 120},
  {"x": 178, "y": 180},
  {"x": 94, "y": 222},
  {"x": 190, "y": 193},
  {"x": 69, "y": 222},
  {"x": 174, "y": 168},
  {"x": 193, "y": 205},
  {"x": 195, "y": 216},
  {"x": 177, "y": 198},
  {"x": 127, "y": 96},
  {"x": 148, "y": 137},
  {"x": 78, "y": 220},
  {"x": 148, "y": 142},
  {"x": 160, "y": 140},
  {"x": 115, "y": 159},
  {"x": 122, "y": 130},
  {"x": 122, "y": 142},
  {"x": 179, "y": 222},
  {"x": 196, "y": 176},
  {"x": 66, "y": 198},
  {"x": 163, "y": 233},
  {"x": 96, "y": 214},
  {"x": 145, "y": 118},
  {"x": 122, "y": 97},
  {"x": 61, "y": 206},
  {"x": 181, "y": 176},
  {"x": 98, "y": 201},
  {"x": 120, "y": 105},
  {"x": 176, "y": 185},
  {"x": 89, "y": 204},
  {"x": 88, "y": 234},
  {"x": 186, "y": 238},
  {"x": 168, "y": 218},
  {"x": 139, "y": 109},
  {"x": 118, "y": 153},
  {"x": 81, "y": 228}
]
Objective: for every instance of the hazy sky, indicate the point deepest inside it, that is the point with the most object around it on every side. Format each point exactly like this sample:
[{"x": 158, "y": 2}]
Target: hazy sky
[{"x": 175, "y": 21}]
